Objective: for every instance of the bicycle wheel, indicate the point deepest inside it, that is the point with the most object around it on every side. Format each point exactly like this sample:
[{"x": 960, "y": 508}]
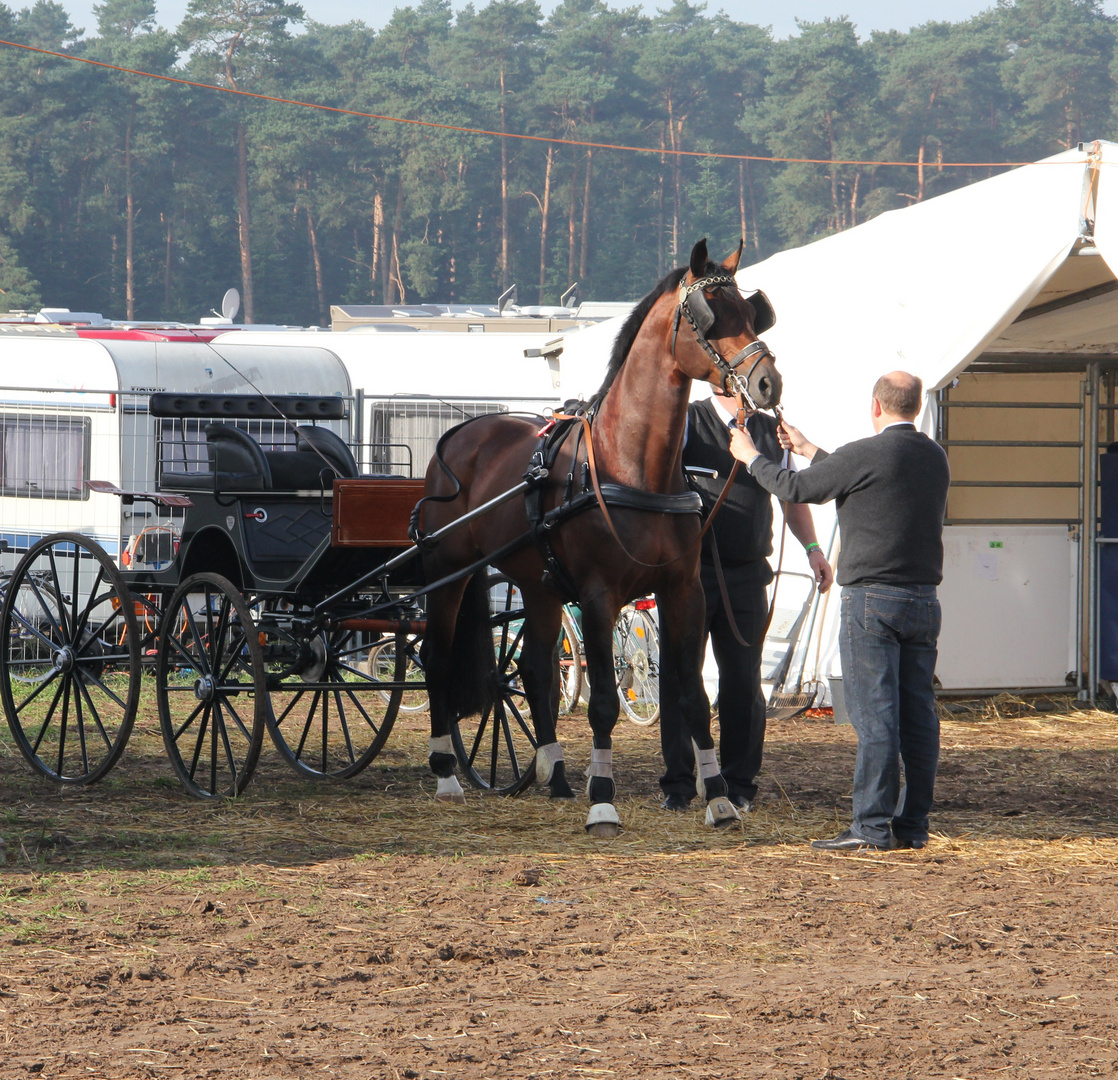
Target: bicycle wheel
[
  {"x": 570, "y": 665},
  {"x": 381, "y": 665},
  {"x": 70, "y": 683},
  {"x": 210, "y": 687},
  {"x": 495, "y": 748},
  {"x": 636, "y": 656}
]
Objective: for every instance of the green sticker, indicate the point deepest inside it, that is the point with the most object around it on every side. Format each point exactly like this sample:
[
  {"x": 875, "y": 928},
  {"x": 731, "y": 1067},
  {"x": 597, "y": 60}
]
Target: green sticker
[{"x": 996, "y": 544}]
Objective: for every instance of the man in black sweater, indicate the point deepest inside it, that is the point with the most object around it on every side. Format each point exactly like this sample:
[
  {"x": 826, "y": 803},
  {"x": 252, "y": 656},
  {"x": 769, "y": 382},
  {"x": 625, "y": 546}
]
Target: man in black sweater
[
  {"x": 742, "y": 532},
  {"x": 890, "y": 492}
]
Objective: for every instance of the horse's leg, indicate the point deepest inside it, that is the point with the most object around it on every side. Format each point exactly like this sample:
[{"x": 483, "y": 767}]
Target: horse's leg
[
  {"x": 681, "y": 623},
  {"x": 597, "y": 628},
  {"x": 539, "y": 664},
  {"x": 436, "y": 656}
]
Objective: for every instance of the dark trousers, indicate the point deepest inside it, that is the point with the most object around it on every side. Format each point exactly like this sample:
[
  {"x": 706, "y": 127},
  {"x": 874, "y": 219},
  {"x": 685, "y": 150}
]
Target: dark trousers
[
  {"x": 887, "y": 645},
  {"x": 741, "y": 700}
]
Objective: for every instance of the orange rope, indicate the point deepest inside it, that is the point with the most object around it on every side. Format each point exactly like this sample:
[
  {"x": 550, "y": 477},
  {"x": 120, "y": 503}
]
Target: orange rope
[{"x": 529, "y": 138}]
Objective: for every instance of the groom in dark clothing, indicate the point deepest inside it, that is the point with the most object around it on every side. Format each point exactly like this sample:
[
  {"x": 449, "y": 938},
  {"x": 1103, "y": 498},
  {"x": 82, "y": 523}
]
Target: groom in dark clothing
[
  {"x": 743, "y": 533},
  {"x": 890, "y": 493}
]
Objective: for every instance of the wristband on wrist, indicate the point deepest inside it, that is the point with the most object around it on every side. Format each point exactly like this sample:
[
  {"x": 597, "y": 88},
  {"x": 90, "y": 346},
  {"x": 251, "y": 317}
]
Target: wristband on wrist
[{"x": 809, "y": 548}]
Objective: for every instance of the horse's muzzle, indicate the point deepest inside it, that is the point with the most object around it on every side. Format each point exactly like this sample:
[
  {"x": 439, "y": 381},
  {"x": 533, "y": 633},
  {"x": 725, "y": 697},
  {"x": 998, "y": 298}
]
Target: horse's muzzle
[{"x": 765, "y": 386}]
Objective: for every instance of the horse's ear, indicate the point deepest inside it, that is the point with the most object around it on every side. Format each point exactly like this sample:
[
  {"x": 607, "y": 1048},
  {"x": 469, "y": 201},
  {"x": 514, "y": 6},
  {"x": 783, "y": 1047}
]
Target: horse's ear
[
  {"x": 699, "y": 258},
  {"x": 731, "y": 263}
]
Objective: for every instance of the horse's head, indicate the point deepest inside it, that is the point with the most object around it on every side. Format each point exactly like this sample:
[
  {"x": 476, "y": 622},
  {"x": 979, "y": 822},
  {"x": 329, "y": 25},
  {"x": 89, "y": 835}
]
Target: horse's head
[{"x": 726, "y": 350}]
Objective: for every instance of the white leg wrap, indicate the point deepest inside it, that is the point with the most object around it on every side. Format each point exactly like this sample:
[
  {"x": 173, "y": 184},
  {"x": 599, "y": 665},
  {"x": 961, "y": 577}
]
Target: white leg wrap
[
  {"x": 602, "y": 813},
  {"x": 601, "y": 764},
  {"x": 706, "y": 766},
  {"x": 449, "y": 790},
  {"x": 547, "y": 757},
  {"x": 442, "y": 744}
]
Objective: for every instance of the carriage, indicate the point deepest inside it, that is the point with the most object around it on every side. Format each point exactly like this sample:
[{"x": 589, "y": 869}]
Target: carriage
[{"x": 255, "y": 609}]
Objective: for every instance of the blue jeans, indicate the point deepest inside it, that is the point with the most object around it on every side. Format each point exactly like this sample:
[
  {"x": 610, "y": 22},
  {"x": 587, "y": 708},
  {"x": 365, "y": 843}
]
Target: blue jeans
[{"x": 887, "y": 646}]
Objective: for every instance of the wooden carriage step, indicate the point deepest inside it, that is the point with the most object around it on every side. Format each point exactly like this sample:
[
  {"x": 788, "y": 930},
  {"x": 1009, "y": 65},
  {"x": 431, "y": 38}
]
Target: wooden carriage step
[
  {"x": 374, "y": 511},
  {"x": 104, "y": 487}
]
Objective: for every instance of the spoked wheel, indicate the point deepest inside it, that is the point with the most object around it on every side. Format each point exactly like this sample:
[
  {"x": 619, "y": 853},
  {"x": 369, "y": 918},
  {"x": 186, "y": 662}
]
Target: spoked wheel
[
  {"x": 70, "y": 682},
  {"x": 636, "y": 658},
  {"x": 496, "y": 749},
  {"x": 211, "y": 687},
  {"x": 570, "y": 665},
  {"x": 331, "y": 710}
]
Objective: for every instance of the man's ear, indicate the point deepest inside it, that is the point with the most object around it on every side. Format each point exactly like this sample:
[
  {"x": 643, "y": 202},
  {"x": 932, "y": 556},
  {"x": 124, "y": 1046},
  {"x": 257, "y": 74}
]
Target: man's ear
[{"x": 875, "y": 409}]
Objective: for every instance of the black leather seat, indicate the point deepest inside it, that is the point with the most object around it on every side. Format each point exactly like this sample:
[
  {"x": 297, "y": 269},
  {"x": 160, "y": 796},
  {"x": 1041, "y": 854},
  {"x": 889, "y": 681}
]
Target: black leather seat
[
  {"x": 324, "y": 443},
  {"x": 237, "y": 459}
]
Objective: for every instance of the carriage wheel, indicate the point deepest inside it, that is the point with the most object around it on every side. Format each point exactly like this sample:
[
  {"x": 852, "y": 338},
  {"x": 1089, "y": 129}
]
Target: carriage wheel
[
  {"x": 636, "y": 658},
  {"x": 211, "y": 687},
  {"x": 496, "y": 749},
  {"x": 570, "y": 665},
  {"x": 381, "y": 665},
  {"x": 331, "y": 710},
  {"x": 70, "y": 682}
]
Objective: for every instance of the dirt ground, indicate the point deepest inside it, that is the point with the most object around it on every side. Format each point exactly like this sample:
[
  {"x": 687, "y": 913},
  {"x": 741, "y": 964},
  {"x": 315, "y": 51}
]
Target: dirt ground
[{"x": 362, "y": 930}]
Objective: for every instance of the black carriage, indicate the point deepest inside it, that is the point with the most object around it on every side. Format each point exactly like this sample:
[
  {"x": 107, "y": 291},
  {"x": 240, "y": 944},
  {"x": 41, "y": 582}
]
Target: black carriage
[{"x": 281, "y": 596}]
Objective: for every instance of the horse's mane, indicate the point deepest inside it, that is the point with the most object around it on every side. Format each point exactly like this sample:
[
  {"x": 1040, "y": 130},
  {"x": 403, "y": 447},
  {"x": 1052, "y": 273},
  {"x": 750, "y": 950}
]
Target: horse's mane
[{"x": 628, "y": 332}]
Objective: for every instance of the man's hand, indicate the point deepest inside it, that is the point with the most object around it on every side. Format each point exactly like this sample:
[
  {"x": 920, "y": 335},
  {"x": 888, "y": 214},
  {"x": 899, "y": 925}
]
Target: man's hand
[
  {"x": 824, "y": 577},
  {"x": 792, "y": 438},
  {"x": 742, "y": 446}
]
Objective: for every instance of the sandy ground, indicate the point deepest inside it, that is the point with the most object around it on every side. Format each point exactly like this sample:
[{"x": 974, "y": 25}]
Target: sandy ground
[{"x": 362, "y": 930}]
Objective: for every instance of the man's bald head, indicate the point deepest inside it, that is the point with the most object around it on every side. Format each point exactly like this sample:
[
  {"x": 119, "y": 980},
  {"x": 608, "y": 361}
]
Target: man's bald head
[{"x": 899, "y": 394}]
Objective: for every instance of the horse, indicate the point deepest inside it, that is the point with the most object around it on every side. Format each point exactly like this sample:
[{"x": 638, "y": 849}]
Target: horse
[{"x": 613, "y": 521}]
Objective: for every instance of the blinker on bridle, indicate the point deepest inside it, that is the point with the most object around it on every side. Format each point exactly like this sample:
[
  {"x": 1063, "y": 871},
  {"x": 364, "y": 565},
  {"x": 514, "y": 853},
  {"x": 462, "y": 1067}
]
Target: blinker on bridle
[{"x": 694, "y": 308}]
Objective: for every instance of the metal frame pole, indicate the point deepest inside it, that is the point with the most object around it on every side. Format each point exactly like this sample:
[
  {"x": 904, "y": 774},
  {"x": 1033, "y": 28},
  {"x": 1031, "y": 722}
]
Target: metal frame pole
[
  {"x": 1090, "y": 521},
  {"x": 1081, "y": 562}
]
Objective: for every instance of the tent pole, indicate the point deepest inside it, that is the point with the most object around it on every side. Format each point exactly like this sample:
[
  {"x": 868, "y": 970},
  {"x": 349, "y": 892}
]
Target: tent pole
[
  {"x": 1081, "y": 561},
  {"x": 1091, "y": 528}
]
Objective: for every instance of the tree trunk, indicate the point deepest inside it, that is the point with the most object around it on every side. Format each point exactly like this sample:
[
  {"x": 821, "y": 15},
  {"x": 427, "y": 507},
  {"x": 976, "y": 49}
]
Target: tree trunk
[
  {"x": 752, "y": 209},
  {"x": 584, "y": 254},
  {"x": 379, "y": 264},
  {"x": 395, "y": 279},
  {"x": 504, "y": 192},
  {"x": 920, "y": 168},
  {"x": 741, "y": 199},
  {"x": 571, "y": 224},
  {"x": 672, "y": 142},
  {"x": 836, "y": 212},
  {"x": 854, "y": 199},
  {"x": 316, "y": 258},
  {"x": 661, "y": 260},
  {"x": 243, "y": 225},
  {"x": 129, "y": 226},
  {"x": 167, "y": 268},
  {"x": 543, "y": 224}
]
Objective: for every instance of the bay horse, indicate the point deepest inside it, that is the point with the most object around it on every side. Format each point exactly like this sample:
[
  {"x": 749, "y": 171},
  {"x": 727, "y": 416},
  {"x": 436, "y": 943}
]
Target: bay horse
[{"x": 642, "y": 537}]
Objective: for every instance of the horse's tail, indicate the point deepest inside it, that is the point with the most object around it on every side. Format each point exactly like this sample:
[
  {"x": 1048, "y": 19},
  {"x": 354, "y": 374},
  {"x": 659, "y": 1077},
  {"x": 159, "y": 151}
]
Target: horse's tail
[{"x": 473, "y": 662}]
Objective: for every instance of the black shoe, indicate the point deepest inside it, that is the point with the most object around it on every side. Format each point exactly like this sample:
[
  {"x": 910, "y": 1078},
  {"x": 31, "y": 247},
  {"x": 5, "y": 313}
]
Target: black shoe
[
  {"x": 847, "y": 841},
  {"x": 742, "y": 803},
  {"x": 912, "y": 844},
  {"x": 674, "y": 801}
]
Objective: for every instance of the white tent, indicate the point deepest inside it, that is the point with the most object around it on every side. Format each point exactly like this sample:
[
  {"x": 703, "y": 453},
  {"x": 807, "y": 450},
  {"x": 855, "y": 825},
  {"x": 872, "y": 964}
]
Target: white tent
[{"x": 1008, "y": 286}]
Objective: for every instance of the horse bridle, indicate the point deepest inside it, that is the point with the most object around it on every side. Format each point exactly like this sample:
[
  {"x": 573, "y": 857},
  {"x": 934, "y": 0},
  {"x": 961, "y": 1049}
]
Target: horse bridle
[{"x": 694, "y": 308}]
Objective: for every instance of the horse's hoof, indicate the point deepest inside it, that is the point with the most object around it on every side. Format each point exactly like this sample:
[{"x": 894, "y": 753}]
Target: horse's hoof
[
  {"x": 721, "y": 812},
  {"x": 450, "y": 791},
  {"x": 602, "y": 822}
]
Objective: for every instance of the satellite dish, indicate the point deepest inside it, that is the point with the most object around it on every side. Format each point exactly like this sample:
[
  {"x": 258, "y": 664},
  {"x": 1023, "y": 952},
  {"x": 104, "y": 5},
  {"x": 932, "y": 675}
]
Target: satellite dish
[
  {"x": 569, "y": 299},
  {"x": 230, "y": 304},
  {"x": 506, "y": 298}
]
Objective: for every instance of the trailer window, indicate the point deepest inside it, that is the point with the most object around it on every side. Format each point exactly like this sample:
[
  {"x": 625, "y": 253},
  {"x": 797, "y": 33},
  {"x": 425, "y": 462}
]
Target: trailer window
[
  {"x": 403, "y": 434},
  {"x": 44, "y": 457}
]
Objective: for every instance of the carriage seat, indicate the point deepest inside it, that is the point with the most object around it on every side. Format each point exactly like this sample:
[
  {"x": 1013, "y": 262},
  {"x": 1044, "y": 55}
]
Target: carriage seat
[
  {"x": 330, "y": 445},
  {"x": 236, "y": 459}
]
